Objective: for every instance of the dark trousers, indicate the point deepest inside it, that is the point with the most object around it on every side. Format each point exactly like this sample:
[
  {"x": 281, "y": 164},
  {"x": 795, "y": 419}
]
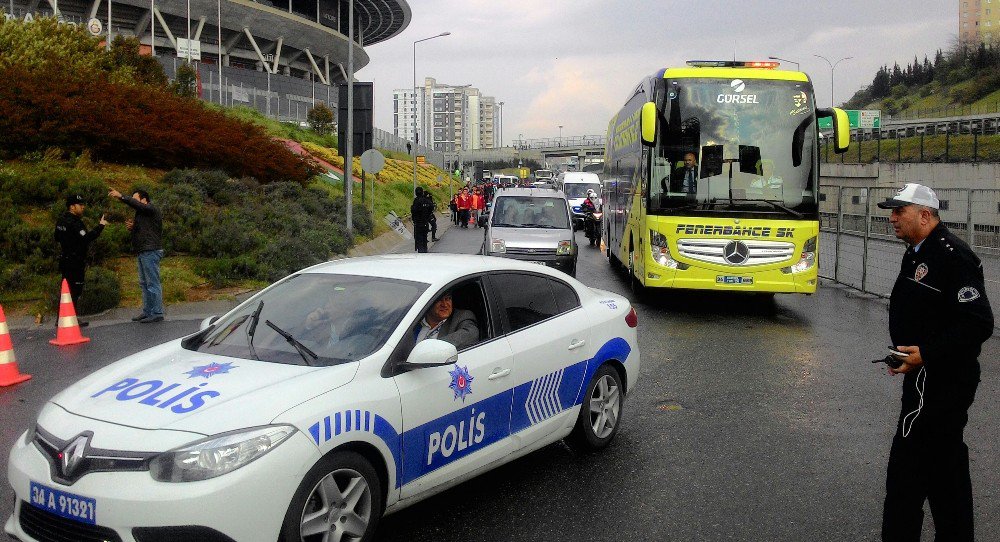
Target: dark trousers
[
  {"x": 434, "y": 229},
  {"x": 932, "y": 464},
  {"x": 420, "y": 237},
  {"x": 74, "y": 273},
  {"x": 463, "y": 218}
]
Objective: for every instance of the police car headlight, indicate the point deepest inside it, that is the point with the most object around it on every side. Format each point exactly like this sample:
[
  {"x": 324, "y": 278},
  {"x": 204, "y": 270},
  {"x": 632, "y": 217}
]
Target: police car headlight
[
  {"x": 498, "y": 245},
  {"x": 660, "y": 251},
  {"x": 217, "y": 455},
  {"x": 806, "y": 261}
]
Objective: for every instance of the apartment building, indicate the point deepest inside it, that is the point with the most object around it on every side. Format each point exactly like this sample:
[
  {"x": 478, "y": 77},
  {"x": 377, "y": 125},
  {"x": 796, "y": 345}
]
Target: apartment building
[
  {"x": 979, "y": 21},
  {"x": 448, "y": 118}
]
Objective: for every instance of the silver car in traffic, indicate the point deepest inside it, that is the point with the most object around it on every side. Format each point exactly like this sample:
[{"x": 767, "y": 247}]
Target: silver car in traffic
[{"x": 534, "y": 225}]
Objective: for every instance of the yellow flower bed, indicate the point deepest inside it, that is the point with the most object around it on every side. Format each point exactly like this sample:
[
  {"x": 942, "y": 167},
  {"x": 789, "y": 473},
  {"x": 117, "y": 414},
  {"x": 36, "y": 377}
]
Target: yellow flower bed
[{"x": 394, "y": 170}]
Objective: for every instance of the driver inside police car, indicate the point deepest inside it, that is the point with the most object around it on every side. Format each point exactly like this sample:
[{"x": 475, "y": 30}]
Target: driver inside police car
[{"x": 443, "y": 322}]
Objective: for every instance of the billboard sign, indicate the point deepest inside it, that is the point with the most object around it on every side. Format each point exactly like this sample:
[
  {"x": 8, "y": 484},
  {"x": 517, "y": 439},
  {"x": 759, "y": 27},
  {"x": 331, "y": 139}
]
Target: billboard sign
[
  {"x": 866, "y": 119},
  {"x": 185, "y": 48}
]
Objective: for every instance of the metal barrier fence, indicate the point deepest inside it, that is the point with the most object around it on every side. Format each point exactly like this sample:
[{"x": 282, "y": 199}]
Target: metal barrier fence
[{"x": 858, "y": 247}]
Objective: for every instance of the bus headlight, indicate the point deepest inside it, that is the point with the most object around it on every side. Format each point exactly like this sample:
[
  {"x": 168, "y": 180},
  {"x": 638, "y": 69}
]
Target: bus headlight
[
  {"x": 498, "y": 246},
  {"x": 806, "y": 261},
  {"x": 565, "y": 248},
  {"x": 660, "y": 251}
]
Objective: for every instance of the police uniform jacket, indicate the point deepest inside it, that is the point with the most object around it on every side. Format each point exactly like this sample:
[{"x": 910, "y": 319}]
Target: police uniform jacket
[
  {"x": 72, "y": 235},
  {"x": 421, "y": 211},
  {"x": 939, "y": 304}
]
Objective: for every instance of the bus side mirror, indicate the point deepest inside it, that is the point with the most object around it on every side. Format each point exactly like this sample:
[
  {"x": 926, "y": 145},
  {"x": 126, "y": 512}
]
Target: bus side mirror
[
  {"x": 648, "y": 123},
  {"x": 841, "y": 128}
]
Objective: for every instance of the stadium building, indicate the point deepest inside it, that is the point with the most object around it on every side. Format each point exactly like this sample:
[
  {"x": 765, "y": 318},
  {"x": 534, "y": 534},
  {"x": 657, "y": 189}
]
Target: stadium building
[{"x": 279, "y": 56}]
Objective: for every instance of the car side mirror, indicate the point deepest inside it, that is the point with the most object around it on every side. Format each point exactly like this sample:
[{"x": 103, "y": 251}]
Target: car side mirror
[
  {"x": 207, "y": 322},
  {"x": 431, "y": 353}
]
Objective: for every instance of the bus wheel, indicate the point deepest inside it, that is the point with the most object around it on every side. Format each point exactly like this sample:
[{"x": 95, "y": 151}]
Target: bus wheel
[{"x": 634, "y": 284}]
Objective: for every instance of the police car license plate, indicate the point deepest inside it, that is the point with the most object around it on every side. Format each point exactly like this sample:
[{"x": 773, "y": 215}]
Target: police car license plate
[
  {"x": 730, "y": 279},
  {"x": 63, "y": 504},
  {"x": 537, "y": 263}
]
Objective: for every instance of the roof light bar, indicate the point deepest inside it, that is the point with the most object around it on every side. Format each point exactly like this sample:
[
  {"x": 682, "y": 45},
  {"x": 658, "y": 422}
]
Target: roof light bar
[{"x": 733, "y": 64}]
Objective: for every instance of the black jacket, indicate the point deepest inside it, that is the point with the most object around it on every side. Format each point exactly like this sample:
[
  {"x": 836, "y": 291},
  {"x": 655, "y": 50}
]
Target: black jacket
[
  {"x": 147, "y": 229},
  {"x": 72, "y": 235},
  {"x": 421, "y": 210},
  {"x": 939, "y": 304}
]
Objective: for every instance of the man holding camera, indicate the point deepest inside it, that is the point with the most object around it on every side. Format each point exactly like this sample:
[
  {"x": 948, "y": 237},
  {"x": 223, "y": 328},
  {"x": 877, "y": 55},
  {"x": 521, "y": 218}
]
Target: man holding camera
[{"x": 939, "y": 317}]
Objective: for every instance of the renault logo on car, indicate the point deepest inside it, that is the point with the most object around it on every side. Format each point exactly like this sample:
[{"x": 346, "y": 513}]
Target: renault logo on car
[
  {"x": 73, "y": 454},
  {"x": 736, "y": 252}
]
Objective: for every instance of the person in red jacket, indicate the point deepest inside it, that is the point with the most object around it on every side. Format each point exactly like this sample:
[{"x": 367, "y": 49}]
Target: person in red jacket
[
  {"x": 478, "y": 204},
  {"x": 464, "y": 204}
]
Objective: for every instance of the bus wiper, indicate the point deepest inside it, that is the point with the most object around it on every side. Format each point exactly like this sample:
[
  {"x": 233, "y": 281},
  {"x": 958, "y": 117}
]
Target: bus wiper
[
  {"x": 774, "y": 204},
  {"x": 299, "y": 347},
  {"x": 252, "y": 328}
]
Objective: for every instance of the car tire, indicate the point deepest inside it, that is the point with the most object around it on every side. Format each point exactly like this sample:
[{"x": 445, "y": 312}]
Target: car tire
[
  {"x": 601, "y": 412},
  {"x": 313, "y": 506}
]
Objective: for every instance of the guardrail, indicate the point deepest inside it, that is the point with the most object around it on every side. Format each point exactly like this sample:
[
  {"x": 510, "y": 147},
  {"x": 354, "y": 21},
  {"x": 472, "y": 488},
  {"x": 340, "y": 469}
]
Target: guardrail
[{"x": 858, "y": 247}]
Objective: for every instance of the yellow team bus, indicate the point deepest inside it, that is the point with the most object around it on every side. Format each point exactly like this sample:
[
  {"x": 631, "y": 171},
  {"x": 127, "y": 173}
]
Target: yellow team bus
[{"x": 711, "y": 179}]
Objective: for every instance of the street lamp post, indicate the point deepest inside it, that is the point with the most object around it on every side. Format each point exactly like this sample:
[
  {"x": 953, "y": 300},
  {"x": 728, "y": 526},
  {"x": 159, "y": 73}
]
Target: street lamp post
[
  {"x": 560, "y": 135},
  {"x": 414, "y": 111},
  {"x": 833, "y": 66},
  {"x": 783, "y": 60},
  {"x": 501, "y": 125}
]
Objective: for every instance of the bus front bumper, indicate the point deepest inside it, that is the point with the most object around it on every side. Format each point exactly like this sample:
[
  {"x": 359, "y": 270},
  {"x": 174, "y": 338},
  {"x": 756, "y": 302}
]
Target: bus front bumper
[{"x": 732, "y": 280}]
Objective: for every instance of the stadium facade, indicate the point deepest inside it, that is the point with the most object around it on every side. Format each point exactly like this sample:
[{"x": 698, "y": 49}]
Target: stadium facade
[{"x": 305, "y": 39}]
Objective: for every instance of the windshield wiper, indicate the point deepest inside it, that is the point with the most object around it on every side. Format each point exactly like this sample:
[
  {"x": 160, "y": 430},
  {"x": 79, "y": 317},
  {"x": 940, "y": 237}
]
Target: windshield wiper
[
  {"x": 545, "y": 226},
  {"x": 252, "y": 328},
  {"x": 299, "y": 347},
  {"x": 503, "y": 225},
  {"x": 776, "y": 205}
]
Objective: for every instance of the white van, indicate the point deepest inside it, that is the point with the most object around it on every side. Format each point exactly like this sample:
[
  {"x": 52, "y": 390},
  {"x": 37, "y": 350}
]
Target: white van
[{"x": 575, "y": 185}]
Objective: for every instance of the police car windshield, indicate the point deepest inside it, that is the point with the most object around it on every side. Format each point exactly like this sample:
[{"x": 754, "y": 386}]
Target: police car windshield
[
  {"x": 340, "y": 318},
  {"x": 735, "y": 147}
]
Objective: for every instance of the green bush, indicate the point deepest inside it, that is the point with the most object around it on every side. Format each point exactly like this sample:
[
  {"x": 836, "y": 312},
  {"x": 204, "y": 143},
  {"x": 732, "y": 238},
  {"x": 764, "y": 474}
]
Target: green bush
[
  {"x": 225, "y": 271},
  {"x": 100, "y": 292},
  {"x": 228, "y": 235},
  {"x": 284, "y": 255},
  {"x": 209, "y": 183}
]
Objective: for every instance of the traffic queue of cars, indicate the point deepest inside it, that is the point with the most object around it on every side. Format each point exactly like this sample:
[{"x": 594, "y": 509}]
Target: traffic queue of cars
[{"x": 312, "y": 409}]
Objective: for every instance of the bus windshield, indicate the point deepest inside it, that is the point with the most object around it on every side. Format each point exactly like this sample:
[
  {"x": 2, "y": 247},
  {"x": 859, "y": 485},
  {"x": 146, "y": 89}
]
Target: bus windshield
[{"x": 740, "y": 146}]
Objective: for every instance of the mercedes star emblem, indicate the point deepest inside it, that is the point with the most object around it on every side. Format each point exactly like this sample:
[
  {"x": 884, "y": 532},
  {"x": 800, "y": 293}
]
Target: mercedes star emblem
[{"x": 736, "y": 252}]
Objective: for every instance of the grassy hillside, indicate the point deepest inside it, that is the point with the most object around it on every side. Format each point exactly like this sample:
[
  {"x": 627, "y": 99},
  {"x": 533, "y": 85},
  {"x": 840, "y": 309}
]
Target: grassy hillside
[{"x": 964, "y": 80}]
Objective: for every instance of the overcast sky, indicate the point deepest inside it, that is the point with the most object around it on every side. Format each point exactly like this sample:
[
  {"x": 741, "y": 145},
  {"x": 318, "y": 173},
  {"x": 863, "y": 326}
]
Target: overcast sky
[{"x": 572, "y": 62}]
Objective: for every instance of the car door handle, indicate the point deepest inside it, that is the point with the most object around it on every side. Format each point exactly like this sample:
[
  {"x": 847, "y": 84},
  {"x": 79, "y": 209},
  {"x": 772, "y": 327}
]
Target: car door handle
[
  {"x": 577, "y": 344},
  {"x": 499, "y": 373}
]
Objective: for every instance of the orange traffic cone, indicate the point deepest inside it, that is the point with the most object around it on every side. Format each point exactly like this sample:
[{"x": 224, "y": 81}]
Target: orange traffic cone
[
  {"x": 68, "y": 331},
  {"x": 9, "y": 375}
]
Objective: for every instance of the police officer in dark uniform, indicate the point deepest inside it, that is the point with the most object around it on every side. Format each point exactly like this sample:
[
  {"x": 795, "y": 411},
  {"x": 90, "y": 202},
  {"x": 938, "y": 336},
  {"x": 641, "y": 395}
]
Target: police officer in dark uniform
[
  {"x": 420, "y": 212},
  {"x": 72, "y": 235},
  {"x": 939, "y": 317}
]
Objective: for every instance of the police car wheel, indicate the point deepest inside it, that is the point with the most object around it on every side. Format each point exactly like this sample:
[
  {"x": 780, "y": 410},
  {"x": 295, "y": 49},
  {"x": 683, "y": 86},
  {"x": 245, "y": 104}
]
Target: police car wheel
[
  {"x": 600, "y": 414},
  {"x": 340, "y": 498}
]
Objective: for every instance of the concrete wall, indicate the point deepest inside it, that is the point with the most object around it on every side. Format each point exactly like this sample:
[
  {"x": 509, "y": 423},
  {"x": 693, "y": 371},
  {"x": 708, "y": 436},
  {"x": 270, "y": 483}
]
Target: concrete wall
[{"x": 979, "y": 176}]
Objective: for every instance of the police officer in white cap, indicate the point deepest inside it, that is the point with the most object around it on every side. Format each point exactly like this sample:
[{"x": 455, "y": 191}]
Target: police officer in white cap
[{"x": 939, "y": 318}]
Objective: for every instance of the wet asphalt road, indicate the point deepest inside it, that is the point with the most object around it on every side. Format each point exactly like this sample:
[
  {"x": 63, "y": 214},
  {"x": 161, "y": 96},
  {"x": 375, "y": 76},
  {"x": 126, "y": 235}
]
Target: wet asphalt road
[{"x": 753, "y": 420}]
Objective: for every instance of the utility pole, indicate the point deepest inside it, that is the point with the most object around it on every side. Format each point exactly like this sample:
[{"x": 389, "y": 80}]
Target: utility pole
[{"x": 349, "y": 132}]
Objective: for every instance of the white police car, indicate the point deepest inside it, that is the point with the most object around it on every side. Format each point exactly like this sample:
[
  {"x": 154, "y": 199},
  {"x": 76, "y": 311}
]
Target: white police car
[{"x": 307, "y": 412}]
